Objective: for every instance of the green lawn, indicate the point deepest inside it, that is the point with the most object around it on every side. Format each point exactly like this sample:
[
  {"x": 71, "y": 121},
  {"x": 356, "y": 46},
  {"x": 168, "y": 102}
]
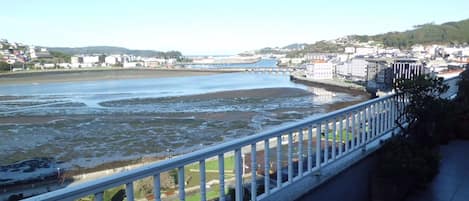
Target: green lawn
[
  {"x": 213, "y": 164},
  {"x": 344, "y": 135},
  {"x": 192, "y": 171},
  {"x": 213, "y": 193}
]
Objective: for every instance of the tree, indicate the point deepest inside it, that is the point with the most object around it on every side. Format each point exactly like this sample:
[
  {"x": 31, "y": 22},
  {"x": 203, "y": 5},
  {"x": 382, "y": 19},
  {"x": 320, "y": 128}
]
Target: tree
[
  {"x": 425, "y": 111},
  {"x": 4, "y": 66},
  {"x": 62, "y": 57}
]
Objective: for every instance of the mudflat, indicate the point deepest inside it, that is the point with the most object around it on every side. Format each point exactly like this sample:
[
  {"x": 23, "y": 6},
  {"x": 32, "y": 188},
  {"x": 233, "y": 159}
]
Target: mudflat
[{"x": 97, "y": 74}]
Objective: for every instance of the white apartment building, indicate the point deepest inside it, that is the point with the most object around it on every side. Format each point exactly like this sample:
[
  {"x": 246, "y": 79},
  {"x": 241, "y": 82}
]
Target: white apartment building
[
  {"x": 320, "y": 71},
  {"x": 315, "y": 56},
  {"x": 358, "y": 69},
  {"x": 297, "y": 61},
  {"x": 153, "y": 62},
  {"x": 112, "y": 60},
  {"x": 132, "y": 64},
  {"x": 354, "y": 69},
  {"x": 364, "y": 51},
  {"x": 349, "y": 50},
  {"x": 76, "y": 60},
  {"x": 90, "y": 59}
]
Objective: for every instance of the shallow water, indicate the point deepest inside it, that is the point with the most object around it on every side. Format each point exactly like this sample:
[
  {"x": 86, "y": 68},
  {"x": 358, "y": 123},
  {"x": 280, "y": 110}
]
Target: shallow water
[{"x": 86, "y": 124}]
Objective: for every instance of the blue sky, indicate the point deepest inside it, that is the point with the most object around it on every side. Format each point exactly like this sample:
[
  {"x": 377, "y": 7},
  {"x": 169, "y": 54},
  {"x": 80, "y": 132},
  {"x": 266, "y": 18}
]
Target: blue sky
[{"x": 212, "y": 26}]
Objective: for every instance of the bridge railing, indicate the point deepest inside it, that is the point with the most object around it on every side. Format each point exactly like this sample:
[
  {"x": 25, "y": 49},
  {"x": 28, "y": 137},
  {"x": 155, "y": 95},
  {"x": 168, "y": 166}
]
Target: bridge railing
[{"x": 263, "y": 163}]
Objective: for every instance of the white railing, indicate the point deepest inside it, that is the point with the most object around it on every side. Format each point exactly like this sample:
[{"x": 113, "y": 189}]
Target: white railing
[{"x": 301, "y": 149}]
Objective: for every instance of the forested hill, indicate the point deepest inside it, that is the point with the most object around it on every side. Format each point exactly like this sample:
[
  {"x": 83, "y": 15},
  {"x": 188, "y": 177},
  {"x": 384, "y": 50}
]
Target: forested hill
[
  {"x": 114, "y": 50},
  {"x": 450, "y": 32}
]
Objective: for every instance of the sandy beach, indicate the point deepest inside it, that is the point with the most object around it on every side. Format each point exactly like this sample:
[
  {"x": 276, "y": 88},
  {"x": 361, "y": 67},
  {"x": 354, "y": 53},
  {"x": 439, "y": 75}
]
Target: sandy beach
[{"x": 97, "y": 74}]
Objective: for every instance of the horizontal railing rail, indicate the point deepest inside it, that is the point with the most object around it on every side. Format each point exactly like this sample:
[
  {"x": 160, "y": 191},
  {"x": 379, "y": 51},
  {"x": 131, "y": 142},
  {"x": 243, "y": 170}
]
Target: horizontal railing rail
[{"x": 301, "y": 148}]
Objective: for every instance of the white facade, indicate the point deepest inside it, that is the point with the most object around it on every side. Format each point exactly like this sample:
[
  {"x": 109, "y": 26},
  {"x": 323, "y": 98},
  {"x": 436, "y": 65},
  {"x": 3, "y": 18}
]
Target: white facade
[
  {"x": 358, "y": 68},
  {"x": 343, "y": 57},
  {"x": 320, "y": 71},
  {"x": 74, "y": 59},
  {"x": 311, "y": 57},
  {"x": 349, "y": 50},
  {"x": 171, "y": 61},
  {"x": 297, "y": 60},
  {"x": 49, "y": 65},
  {"x": 111, "y": 60},
  {"x": 65, "y": 65},
  {"x": 132, "y": 64},
  {"x": 90, "y": 59},
  {"x": 354, "y": 69},
  {"x": 363, "y": 51}
]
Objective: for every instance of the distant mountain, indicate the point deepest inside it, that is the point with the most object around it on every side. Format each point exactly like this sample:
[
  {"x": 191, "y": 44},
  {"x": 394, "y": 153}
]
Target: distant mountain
[
  {"x": 447, "y": 33},
  {"x": 107, "y": 50}
]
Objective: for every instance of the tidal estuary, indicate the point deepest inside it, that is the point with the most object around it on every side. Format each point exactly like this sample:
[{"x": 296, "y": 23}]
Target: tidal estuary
[{"x": 89, "y": 123}]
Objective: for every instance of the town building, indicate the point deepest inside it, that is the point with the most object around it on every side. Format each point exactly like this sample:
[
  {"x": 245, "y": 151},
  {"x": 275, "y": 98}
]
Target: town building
[
  {"x": 112, "y": 60},
  {"x": 379, "y": 75},
  {"x": 365, "y": 51},
  {"x": 320, "y": 71},
  {"x": 93, "y": 59},
  {"x": 76, "y": 59},
  {"x": 407, "y": 69},
  {"x": 354, "y": 69}
]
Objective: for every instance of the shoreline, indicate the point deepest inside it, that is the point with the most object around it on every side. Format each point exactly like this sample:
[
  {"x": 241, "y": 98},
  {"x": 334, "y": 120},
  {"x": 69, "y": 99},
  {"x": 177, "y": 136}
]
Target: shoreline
[
  {"x": 331, "y": 85},
  {"x": 77, "y": 75}
]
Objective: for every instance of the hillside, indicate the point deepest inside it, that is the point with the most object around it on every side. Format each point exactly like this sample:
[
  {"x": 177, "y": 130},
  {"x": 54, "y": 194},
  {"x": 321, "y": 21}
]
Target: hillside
[
  {"x": 447, "y": 33},
  {"x": 114, "y": 50}
]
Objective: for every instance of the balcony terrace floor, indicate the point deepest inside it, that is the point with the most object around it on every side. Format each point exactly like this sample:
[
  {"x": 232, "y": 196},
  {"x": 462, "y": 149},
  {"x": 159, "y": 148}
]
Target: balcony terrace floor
[{"x": 452, "y": 182}]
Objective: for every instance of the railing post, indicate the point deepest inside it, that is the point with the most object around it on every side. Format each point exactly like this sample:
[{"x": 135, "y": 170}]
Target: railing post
[
  {"x": 266, "y": 167},
  {"x": 300, "y": 152},
  {"x": 364, "y": 126},
  {"x": 221, "y": 172},
  {"x": 279, "y": 161},
  {"x": 203, "y": 184},
  {"x": 386, "y": 112},
  {"x": 352, "y": 142},
  {"x": 326, "y": 142},
  {"x": 347, "y": 136},
  {"x": 290, "y": 157},
  {"x": 367, "y": 124},
  {"x": 310, "y": 148},
  {"x": 181, "y": 183},
  {"x": 129, "y": 191},
  {"x": 253, "y": 171},
  {"x": 318, "y": 146},
  {"x": 381, "y": 115},
  {"x": 238, "y": 175},
  {"x": 389, "y": 113},
  {"x": 157, "y": 186},
  {"x": 334, "y": 137},
  {"x": 378, "y": 118},
  {"x": 341, "y": 133},
  {"x": 394, "y": 111},
  {"x": 359, "y": 128},
  {"x": 98, "y": 196}
]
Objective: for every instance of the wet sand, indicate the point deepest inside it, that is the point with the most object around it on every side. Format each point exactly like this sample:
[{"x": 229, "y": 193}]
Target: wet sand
[
  {"x": 250, "y": 93},
  {"x": 99, "y": 74},
  {"x": 219, "y": 121}
]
